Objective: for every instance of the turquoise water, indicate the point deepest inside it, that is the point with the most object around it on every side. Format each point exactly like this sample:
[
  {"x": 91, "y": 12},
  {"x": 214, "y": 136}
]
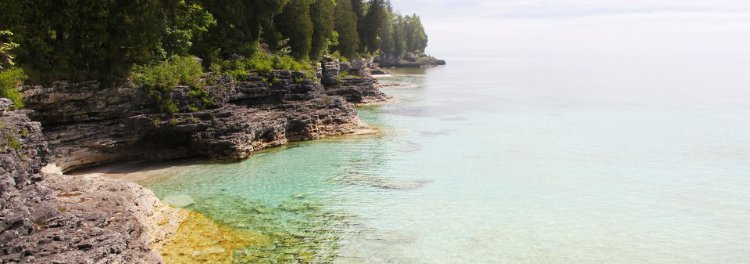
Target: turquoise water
[{"x": 517, "y": 158}]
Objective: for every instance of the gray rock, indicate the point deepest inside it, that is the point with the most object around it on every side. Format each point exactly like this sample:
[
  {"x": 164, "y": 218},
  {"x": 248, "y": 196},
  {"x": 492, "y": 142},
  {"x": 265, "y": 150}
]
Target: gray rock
[
  {"x": 56, "y": 220},
  {"x": 358, "y": 90},
  {"x": 88, "y": 125},
  {"x": 6, "y": 105}
]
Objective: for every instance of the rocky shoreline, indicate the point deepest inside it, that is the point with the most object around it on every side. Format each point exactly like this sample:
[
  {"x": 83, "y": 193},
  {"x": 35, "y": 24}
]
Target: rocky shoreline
[
  {"x": 411, "y": 61},
  {"x": 51, "y": 218}
]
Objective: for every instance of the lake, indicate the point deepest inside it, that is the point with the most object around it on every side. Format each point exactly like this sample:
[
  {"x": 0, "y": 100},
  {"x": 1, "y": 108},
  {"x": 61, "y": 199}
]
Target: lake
[{"x": 516, "y": 157}]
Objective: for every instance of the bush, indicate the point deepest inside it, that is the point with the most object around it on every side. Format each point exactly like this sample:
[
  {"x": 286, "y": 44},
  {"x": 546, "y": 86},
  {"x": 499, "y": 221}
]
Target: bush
[
  {"x": 289, "y": 63},
  {"x": 264, "y": 63},
  {"x": 261, "y": 62},
  {"x": 160, "y": 79},
  {"x": 10, "y": 79}
]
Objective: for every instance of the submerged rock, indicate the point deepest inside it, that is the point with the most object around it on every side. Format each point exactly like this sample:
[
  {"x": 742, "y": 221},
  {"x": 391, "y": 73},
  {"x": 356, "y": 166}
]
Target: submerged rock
[{"x": 179, "y": 201}]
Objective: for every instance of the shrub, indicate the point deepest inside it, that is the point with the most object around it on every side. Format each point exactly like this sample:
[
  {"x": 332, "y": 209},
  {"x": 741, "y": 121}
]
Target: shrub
[
  {"x": 10, "y": 79},
  {"x": 289, "y": 63},
  {"x": 261, "y": 62},
  {"x": 264, "y": 63},
  {"x": 235, "y": 69},
  {"x": 160, "y": 79}
]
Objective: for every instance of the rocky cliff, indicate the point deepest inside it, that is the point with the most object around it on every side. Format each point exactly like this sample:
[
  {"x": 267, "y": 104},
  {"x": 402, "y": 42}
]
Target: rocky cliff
[
  {"x": 45, "y": 218},
  {"x": 86, "y": 124},
  {"x": 353, "y": 81}
]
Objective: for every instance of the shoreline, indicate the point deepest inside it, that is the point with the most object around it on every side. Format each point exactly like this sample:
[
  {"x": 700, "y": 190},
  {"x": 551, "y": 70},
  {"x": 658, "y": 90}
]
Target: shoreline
[
  {"x": 95, "y": 148},
  {"x": 163, "y": 219}
]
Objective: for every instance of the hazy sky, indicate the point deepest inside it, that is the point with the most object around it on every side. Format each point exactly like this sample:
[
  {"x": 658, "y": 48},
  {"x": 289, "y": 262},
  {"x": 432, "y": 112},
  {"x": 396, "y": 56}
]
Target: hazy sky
[{"x": 476, "y": 26}]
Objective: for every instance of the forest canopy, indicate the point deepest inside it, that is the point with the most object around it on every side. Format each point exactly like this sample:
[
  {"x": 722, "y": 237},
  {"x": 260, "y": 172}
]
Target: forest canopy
[{"x": 83, "y": 40}]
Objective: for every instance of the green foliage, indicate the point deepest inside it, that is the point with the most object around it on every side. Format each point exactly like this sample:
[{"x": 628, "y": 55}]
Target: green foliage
[
  {"x": 165, "y": 75},
  {"x": 188, "y": 21},
  {"x": 6, "y": 46},
  {"x": 345, "y": 23},
  {"x": 238, "y": 27},
  {"x": 295, "y": 24},
  {"x": 10, "y": 79},
  {"x": 81, "y": 40},
  {"x": 291, "y": 64},
  {"x": 161, "y": 78},
  {"x": 235, "y": 69},
  {"x": 84, "y": 40},
  {"x": 321, "y": 12},
  {"x": 402, "y": 35},
  {"x": 262, "y": 62},
  {"x": 371, "y": 26}
]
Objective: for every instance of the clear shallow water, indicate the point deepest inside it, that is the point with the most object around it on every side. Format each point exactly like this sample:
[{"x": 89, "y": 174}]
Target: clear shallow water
[{"x": 531, "y": 158}]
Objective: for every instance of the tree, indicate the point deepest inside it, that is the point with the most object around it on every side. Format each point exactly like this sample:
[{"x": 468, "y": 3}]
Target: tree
[
  {"x": 371, "y": 26},
  {"x": 186, "y": 21},
  {"x": 295, "y": 24},
  {"x": 386, "y": 36},
  {"x": 83, "y": 40},
  {"x": 239, "y": 24},
  {"x": 399, "y": 37},
  {"x": 6, "y": 45},
  {"x": 416, "y": 38},
  {"x": 321, "y": 12},
  {"x": 358, "y": 6},
  {"x": 345, "y": 23}
]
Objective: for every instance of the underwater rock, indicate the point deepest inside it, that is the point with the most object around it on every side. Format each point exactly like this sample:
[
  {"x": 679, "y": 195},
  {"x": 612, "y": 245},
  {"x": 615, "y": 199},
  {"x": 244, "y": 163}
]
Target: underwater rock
[
  {"x": 363, "y": 179},
  {"x": 178, "y": 201}
]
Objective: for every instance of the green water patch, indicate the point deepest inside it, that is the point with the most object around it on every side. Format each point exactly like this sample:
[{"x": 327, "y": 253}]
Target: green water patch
[{"x": 299, "y": 230}]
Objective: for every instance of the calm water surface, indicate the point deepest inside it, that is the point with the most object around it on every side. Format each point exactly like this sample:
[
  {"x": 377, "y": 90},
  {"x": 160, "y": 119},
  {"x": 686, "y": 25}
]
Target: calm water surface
[{"x": 522, "y": 157}]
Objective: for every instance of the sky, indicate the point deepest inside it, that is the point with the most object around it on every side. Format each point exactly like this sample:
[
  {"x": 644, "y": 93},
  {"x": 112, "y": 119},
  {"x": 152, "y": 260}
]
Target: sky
[{"x": 475, "y": 27}]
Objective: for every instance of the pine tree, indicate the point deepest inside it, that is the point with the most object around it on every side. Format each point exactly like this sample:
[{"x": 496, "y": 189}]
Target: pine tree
[
  {"x": 386, "y": 36},
  {"x": 371, "y": 26},
  {"x": 238, "y": 28},
  {"x": 83, "y": 40},
  {"x": 322, "y": 12},
  {"x": 345, "y": 24},
  {"x": 295, "y": 24}
]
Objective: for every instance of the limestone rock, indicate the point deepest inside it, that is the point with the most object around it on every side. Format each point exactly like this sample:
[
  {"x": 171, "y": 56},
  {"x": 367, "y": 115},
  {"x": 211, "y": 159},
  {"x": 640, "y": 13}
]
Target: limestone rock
[
  {"x": 61, "y": 219},
  {"x": 97, "y": 125}
]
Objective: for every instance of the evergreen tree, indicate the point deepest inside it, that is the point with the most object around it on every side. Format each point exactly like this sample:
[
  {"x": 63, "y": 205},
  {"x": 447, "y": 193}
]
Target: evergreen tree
[
  {"x": 386, "y": 36},
  {"x": 416, "y": 38},
  {"x": 238, "y": 27},
  {"x": 371, "y": 26},
  {"x": 399, "y": 37},
  {"x": 295, "y": 24},
  {"x": 79, "y": 40},
  {"x": 345, "y": 24},
  {"x": 322, "y": 12},
  {"x": 358, "y": 6}
]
